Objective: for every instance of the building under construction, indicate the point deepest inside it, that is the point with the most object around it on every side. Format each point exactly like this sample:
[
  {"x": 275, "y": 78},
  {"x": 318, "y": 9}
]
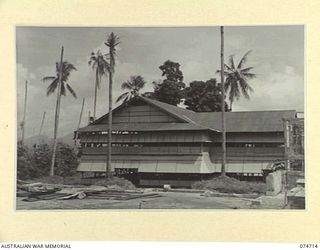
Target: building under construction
[{"x": 154, "y": 143}]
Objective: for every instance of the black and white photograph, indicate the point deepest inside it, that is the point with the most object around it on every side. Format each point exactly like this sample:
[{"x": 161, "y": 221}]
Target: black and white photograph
[{"x": 190, "y": 117}]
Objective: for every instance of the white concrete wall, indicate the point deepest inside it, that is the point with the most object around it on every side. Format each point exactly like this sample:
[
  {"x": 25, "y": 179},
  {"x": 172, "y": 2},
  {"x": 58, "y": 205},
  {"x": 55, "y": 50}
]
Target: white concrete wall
[{"x": 274, "y": 183}]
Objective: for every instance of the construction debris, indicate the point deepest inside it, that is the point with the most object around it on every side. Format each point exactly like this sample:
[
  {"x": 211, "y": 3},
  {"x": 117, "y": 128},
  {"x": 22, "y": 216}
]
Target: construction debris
[
  {"x": 41, "y": 191},
  {"x": 120, "y": 195}
]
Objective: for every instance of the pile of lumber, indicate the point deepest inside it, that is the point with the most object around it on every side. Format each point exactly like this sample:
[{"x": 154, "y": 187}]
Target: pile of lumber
[{"x": 40, "y": 191}]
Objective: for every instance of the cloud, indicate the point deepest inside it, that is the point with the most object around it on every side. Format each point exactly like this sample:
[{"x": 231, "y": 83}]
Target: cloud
[{"x": 280, "y": 89}]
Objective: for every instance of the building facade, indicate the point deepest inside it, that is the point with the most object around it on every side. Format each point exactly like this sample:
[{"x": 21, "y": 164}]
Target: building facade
[{"x": 154, "y": 143}]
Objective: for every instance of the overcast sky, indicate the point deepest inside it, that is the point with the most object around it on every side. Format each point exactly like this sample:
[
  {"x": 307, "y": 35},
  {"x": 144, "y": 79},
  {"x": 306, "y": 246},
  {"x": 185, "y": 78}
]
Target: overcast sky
[{"x": 277, "y": 57}]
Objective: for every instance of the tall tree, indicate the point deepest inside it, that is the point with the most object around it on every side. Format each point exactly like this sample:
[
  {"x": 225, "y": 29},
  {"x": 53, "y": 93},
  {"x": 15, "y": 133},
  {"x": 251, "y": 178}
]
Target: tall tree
[
  {"x": 203, "y": 96},
  {"x": 171, "y": 70},
  {"x": 59, "y": 82},
  {"x": 134, "y": 85},
  {"x": 237, "y": 78},
  {"x": 100, "y": 65},
  {"x": 223, "y": 123},
  {"x": 112, "y": 43},
  {"x": 23, "y": 123},
  {"x": 171, "y": 89}
]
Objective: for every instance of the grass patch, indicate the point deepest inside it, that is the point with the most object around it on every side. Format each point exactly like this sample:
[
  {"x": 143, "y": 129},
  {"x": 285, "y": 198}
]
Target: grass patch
[{"x": 230, "y": 185}]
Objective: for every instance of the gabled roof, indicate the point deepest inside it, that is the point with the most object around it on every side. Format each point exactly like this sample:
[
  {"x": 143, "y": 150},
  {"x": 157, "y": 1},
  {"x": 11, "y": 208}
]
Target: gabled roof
[
  {"x": 182, "y": 113},
  {"x": 179, "y": 113},
  {"x": 243, "y": 121}
]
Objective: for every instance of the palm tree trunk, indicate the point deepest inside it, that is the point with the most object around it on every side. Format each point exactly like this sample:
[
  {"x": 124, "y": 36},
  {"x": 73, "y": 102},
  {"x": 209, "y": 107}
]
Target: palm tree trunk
[
  {"x": 80, "y": 118},
  {"x": 56, "y": 119},
  {"x": 42, "y": 122},
  {"x": 223, "y": 163},
  {"x": 95, "y": 95},
  {"x": 24, "y": 112},
  {"x": 108, "y": 167}
]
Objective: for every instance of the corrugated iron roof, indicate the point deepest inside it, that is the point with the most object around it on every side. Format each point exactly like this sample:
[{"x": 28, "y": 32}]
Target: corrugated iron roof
[
  {"x": 144, "y": 127},
  {"x": 246, "y": 121},
  {"x": 242, "y": 121}
]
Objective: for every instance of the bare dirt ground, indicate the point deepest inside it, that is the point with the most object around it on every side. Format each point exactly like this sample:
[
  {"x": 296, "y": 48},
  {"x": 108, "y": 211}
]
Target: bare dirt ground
[{"x": 168, "y": 200}]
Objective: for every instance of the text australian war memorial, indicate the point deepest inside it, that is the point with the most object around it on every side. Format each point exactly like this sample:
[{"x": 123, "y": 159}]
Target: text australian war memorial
[{"x": 155, "y": 143}]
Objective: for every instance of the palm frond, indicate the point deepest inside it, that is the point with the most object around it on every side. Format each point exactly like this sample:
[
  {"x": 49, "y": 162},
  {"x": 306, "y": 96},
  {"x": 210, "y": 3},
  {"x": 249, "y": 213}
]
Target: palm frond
[
  {"x": 48, "y": 78},
  {"x": 234, "y": 91},
  {"x": 225, "y": 72},
  {"x": 112, "y": 42},
  {"x": 122, "y": 96},
  {"x": 71, "y": 91},
  {"x": 249, "y": 75},
  {"x": 246, "y": 69},
  {"x": 52, "y": 87},
  {"x": 244, "y": 59},
  {"x": 245, "y": 88},
  {"x": 127, "y": 85},
  {"x": 69, "y": 67},
  {"x": 231, "y": 62}
]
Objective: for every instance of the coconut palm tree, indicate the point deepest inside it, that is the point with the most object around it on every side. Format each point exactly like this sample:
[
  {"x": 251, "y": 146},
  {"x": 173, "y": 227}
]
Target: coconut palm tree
[
  {"x": 100, "y": 65},
  {"x": 133, "y": 86},
  {"x": 67, "y": 68},
  {"x": 112, "y": 42},
  {"x": 59, "y": 82},
  {"x": 236, "y": 82}
]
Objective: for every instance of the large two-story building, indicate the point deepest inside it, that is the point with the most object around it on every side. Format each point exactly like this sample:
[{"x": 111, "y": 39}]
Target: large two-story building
[{"x": 154, "y": 143}]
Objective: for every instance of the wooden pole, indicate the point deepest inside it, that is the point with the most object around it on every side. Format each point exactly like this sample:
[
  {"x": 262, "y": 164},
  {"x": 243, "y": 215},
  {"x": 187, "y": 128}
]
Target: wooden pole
[
  {"x": 108, "y": 167},
  {"x": 83, "y": 100},
  {"x": 89, "y": 117},
  {"x": 95, "y": 94},
  {"x": 223, "y": 126},
  {"x": 41, "y": 126},
  {"x": 56, "y": 121},
  {"x": 24, "y": 112}
]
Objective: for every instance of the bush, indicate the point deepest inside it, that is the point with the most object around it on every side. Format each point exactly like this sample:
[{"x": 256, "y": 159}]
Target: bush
[
  {"x": 41, "y": 160},
  {"x": 66, "y": 161},
  {"x": 36, "y": 162},
  {"x": 230, "y": 185},
  {"x": 24, "y": 162},
  {"x": 117, "y": 182}
]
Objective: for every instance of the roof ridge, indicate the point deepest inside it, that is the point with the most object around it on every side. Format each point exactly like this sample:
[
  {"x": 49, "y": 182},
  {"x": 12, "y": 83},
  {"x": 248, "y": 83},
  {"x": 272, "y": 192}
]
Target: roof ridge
[
  {"x": 173, "y": 110},
  {"x": 249, "y": 111}
]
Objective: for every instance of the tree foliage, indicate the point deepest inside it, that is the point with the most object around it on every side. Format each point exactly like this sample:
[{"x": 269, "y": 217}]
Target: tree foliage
[
  {"x": 169, "y": 92},
  {"x": 203, "y": 96},
  {"x": 134, "y": 85},
  {"x": 171, "y": 70},
  {"x": 171, "y": 89},
  {"x": 67, "y": 68},
  {"x": 24, "y": 161},
  {"x": 35, "y": 163},
  {"x": 99, "y": 63},
  {"x": 41, "y": 160},
  {"x": 67, "y": 161},
  {"x": 237, "y": 78}
]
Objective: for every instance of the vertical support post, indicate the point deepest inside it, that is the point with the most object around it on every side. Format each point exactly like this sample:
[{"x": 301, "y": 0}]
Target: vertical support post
[
  {"x": 24, "y": 112},
  {"x": 83, "y": 100},
  {"x": 286, "y": 136},
  {"x": 108, "y": 167},
  {"x": 41, "y": 126},
  {"x": 223, "y": 163},
  {"x": 56, "y": 121}
]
